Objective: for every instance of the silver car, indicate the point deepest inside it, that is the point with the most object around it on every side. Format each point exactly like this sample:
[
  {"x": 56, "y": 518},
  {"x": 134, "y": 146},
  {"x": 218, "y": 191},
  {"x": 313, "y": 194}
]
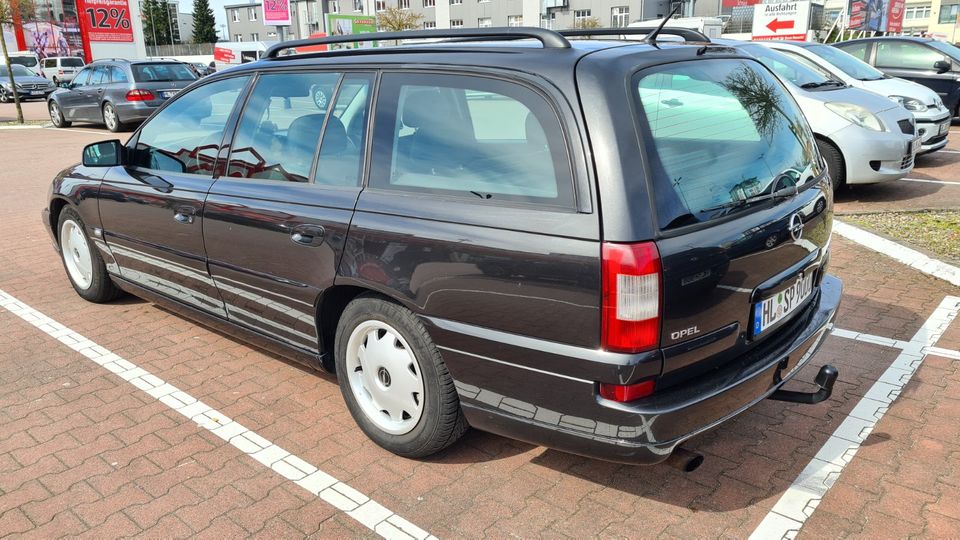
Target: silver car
[
  {"x": 118, "y": 93},
  {"x": 29, "y": 86}
]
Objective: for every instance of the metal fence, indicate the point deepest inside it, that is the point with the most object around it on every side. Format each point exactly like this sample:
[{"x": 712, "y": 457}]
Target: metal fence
[{"x": 180, "y": 49}]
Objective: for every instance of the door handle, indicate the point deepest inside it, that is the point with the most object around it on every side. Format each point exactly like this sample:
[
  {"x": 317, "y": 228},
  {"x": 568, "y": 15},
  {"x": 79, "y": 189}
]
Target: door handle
[
  {"x": 185, "y": 214},
  {"x": 307, "y": 235}
]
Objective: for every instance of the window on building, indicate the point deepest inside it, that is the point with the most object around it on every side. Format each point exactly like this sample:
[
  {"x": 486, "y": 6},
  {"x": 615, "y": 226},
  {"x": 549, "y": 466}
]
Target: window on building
[
  {"x": 916, "y": 14},
  {"x": 358, "y": 5},
  {"x": 238, "y": 37},
  {"x": 948, "y": 13},
  {"x": 429, "y": 3},
  {"x": 334, "y": 6},
  {"x": 548, "y": 21},
  {"x": 185, "y": 136},
  {"x": 254, "y": 36},
  {"x": 380, "y": 5},
  {"x": 271, "y": 35},
  {"x": 505, "y": 145},
  {"x": 620, "y": 16},
  {"x": 580, "y": 15},
  {"x": 404, "y": 4},
  {"x": 456, "y": 23},
  {"x": 514, "y": 20},
  {"x": 456, "y": 2},
  {"x": 235, "y": 15},
  {"x": 484, "y": 22},
  {"x": 483, "y": 1},
  {"x": 252, "y": 14},
  {"x": 429, "y": 25}
]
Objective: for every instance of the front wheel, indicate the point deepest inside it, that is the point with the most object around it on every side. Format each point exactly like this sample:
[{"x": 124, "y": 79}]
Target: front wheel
[
  {"x": 110, "y": 118},
  {"x": 85, "y": 267},
  {"x": 835, "y": 167},
  {"x": 56, "y": 115},
  {"x": 394, "y": 381}
]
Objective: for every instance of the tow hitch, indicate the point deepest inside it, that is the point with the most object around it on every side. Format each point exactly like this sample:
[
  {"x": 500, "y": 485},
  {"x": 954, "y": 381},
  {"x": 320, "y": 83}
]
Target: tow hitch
[{"x": 825, "y": 379}]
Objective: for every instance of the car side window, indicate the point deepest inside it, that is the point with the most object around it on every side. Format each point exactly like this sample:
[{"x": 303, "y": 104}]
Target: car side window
[
  {"x": 117, "y": 75},
  {"x": 50, "y": 63},
  {"x": 474, "y": 137},
  {"x": 185, "y": 136},
  {"x": 100, "y": 76},
  {"x": 856, "y": 49},
  {"x": 342, "y": 149},
  {"x": 83, "y": 77},
  {"x": 281, "y": 126},
  {"x": 896, "y": 54}
]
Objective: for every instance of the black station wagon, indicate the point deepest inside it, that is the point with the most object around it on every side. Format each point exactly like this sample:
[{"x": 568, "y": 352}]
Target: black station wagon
[{"x": 605, "y": 246}]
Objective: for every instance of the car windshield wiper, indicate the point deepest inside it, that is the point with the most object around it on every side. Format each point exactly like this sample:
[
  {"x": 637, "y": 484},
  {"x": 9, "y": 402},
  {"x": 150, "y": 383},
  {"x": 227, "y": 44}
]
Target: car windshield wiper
[
  {"x": 828, "y": 82},
  {"x": 782, "y": 193}
]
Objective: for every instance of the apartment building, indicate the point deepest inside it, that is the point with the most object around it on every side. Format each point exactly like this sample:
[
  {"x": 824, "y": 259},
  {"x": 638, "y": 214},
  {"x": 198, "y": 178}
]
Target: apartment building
[
  {"x": 244, "y": 21},
  {"x": 920, "y": 17}
]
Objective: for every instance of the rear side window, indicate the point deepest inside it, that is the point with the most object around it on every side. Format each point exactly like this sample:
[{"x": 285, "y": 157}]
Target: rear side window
[
  {"x": 720, "y": 132},
  {"x": 100, "y": 76},
  {"x": 162, "y": 72},
  {"x": 469, "y": 136},
  {"x": 117, "y": 75},
  {"x": 71, "y": 62}
]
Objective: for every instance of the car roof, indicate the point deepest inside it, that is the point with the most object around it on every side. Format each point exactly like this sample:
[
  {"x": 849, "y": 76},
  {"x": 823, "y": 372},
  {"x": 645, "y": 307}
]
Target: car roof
[{"x": 889, "y": 38}]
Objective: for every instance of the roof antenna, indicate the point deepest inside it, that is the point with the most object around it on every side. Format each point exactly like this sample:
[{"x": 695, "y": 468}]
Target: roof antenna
[{"x": 652, "y": 36}]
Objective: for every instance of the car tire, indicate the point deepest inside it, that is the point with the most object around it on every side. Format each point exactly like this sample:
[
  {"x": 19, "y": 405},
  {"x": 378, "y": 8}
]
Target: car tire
[
  {"x": 835, "y": 165},
  {"x": 4, "y": 96},
  {"x": 81, "y": 259},
  {"x": 56, "y": 115},
  {"x": 56, "y": 81},
  {"x": 401, "y": 369},
  {"x": 110, "y": 118}
]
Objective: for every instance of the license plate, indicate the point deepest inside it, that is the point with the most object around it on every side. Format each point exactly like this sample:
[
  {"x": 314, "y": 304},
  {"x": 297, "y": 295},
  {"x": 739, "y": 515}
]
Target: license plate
[
  {"x": 36, "y": 93},
  {"x": 914, "y": 146},
  {"x": 776, "y": 308},
  {"x": 167, "y": 94}
]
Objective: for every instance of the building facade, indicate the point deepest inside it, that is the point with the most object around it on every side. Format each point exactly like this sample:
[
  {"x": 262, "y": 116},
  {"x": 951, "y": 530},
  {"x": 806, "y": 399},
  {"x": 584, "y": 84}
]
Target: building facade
[
  {"x": 244, "y": 22},
  {"x": 936, "y": 18}
]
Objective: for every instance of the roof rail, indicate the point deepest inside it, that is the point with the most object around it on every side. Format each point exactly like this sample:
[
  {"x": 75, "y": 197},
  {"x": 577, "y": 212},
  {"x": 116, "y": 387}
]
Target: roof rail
[
  {"x": 688, "y": 34},
  {"x": 549, "y": 38},
  {"x": 110, "y": 60}
]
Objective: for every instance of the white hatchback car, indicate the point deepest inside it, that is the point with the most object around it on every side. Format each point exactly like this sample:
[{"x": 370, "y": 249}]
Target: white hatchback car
[
  {"x": 61, "y": 69},
  {"x": 933, "y": 119}
]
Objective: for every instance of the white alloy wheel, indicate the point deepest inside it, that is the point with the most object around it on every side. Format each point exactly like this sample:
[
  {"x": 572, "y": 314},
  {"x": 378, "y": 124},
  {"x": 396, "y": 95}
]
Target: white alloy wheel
[
  {"x": 110, "y": 117},
  {"x": 385, "y": 377},
  {"x": 76, "y": 253}
]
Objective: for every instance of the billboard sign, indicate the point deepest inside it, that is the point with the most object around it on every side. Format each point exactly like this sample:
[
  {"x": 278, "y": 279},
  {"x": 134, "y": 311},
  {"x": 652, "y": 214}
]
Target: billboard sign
[
  {"x": 877, "y": 15},
  {"x": 342, "y": 25},
  {"x": 107, "y": 20},
  {"x": 781, "y": 21},
  {"x": 276, "y": 12}
]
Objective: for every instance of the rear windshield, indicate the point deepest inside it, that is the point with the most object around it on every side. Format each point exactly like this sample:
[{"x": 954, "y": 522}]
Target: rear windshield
[
  {"x": 71, "y": 62},
  {"x": 162, "y": 72},
  {"x": 28, "y": 61},
  {"x": 720, "y": 132}
]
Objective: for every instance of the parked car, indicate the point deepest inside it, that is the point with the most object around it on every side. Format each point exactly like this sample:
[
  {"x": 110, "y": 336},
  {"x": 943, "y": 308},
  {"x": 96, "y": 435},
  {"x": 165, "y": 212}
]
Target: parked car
[
  {"x": 27, "y": 59},
  {"x": 864, "y": 138},
  {"x": 926, "y": 61},
  {"x": 29, "y": 86},
  {"x": 61, "y": 69},
  {"x": 202, "y": 69},
  {"x": 601, "y": 247},
  {"x": 118, "y": 93},
  {"x": 929, "y": 113}
]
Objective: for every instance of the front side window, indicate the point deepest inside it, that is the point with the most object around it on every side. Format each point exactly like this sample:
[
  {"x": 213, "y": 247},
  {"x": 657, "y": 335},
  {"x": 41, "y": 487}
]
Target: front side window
[
  {"x": 470, "y": 137},
  {"x": 50, "y": 63},
  {"x": 185, "y": 136},
  {"x": 856, "y": 50},
  {"x": 901, "y": 54},
  {"x": 720, "y": 132},
  {"x": 83, "y": 77}
]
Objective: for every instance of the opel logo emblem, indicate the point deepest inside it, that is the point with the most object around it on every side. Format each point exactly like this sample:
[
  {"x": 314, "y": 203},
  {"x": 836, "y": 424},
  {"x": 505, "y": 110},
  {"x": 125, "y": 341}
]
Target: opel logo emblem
[
  {"x": 796, "y": 226},
  {"x": 383, "y": 376}
]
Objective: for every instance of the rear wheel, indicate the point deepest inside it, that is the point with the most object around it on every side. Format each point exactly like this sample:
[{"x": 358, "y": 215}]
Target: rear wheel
[
  {"x": 56, "y": 115},
  {"x": 835, "y": 166},
  {"x": 110, "y": 118},
  {"x": 394, "y": 381},
  {"x": 85, "y": 267}
]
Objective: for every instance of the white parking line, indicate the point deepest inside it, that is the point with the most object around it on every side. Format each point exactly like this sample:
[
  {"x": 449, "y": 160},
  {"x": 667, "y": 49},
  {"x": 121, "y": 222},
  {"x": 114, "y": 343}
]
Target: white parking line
[
  {"x": 925, "y": 181},
  {"x": 343, "y": 497},
  {"x": 797, "y": 504},
  {"x": 907, "y": 256},
  {"x": 893, "y": 343}
]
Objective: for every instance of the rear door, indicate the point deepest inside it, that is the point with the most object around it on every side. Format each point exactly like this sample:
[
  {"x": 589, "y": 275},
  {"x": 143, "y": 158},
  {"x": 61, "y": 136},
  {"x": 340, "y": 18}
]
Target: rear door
[
  {"x": 914, "y": 61},
  {"x": 152, "y": 209},
  {"x": 276, "y": 223},
  {"x": 72, "y": 98}
]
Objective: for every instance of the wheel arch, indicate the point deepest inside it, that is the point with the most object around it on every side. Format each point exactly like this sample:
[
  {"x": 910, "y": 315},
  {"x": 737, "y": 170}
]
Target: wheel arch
[
  {"x": 843, "y": 159},
  {"x": 57, "y": 204},
  {"x": 329, "y": 309}
]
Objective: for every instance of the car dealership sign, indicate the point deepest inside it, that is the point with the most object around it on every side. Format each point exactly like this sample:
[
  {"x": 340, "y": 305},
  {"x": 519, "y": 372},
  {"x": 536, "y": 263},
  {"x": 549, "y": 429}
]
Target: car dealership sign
[{"x": 781, "y": 21}]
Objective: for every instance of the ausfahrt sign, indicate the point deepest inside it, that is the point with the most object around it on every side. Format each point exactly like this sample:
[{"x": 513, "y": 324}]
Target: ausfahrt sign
[{"x": 781, "y": 21}]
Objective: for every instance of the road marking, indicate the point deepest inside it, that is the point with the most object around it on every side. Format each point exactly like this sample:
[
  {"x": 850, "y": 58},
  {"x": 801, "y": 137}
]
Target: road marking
[
  {"x": 358, "y": 506},
  {"x": 925, "y": 181},
  {"x": 945, "y": 151},
  {"x": 905, "y": 255},
  {"x": 799, "y": 501}
]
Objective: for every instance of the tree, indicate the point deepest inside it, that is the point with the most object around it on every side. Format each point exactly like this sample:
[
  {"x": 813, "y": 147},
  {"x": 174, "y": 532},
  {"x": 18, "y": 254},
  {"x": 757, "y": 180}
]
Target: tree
[
  {"x": 10, "y": 11},
  {"x": 156, "y": 22},
  {"x": 204, "y": 25},
  {"x": 588, "y": 23},
  {"x": 394, "y": 19}
]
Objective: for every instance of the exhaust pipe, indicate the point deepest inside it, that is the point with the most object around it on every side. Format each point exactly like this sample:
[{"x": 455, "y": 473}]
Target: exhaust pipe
[{"x": 684, "y": 460}]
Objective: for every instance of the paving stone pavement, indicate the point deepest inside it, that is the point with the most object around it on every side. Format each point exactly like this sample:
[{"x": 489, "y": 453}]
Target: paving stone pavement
[{"x": 84, "y": 453}]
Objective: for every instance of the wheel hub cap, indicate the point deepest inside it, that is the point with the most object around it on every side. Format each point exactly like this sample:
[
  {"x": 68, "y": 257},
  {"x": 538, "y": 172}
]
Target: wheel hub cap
[{"x": 76, "y": 254}]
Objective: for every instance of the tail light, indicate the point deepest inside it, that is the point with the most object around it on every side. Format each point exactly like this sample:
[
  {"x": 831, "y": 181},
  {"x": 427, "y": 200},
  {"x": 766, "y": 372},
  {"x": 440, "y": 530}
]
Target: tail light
[
  {"x": 630, "y": 319},
  {"x": 626, "y": 392},
  {"x": 140, "y": 95}
]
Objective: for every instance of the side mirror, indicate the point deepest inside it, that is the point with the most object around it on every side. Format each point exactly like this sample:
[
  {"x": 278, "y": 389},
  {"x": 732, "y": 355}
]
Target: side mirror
[
  {"x": 103, "y": 154},
  {"x": 942, "y": 66}
]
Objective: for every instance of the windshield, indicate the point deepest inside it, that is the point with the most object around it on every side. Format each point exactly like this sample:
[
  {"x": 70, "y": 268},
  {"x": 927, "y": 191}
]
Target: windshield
[
  {"x": 18, "y": 71},
  {"x": 847, "y": 63},
  {"x": 799, "y": 74},
  {"x": 72, "y": 62},
  {"x": 947, "y": 48},
  {"x": 162, "y": 72},
  {"x": 28, "y": 61},
  {"x": 720, "y": 132}
]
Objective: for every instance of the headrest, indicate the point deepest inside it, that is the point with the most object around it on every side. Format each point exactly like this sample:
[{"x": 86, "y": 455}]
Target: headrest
[{"x": 421, "y": 107}]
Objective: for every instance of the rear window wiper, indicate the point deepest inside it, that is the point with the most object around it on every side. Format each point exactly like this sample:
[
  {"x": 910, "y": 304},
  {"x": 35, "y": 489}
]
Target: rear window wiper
[
  {"x": 782, "y": 193},
  {"x": 829, "y": 82}
]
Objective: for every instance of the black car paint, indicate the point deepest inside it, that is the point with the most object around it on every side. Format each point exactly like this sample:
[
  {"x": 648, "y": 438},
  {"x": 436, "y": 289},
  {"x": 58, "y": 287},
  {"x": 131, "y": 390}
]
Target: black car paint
[{"x": 510, "y": 293}]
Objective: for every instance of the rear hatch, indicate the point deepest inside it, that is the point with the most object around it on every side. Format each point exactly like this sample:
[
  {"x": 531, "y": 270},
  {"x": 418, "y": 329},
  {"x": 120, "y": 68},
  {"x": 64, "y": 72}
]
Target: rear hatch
[
  {"x": 743, "y": 205},
  {"x": 163, "y": 79}
]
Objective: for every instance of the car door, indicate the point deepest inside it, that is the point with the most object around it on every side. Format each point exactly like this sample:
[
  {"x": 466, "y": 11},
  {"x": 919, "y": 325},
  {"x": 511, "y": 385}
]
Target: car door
[
  {"x": 93, "y": 94},
  {"x": 71, "y": 97},
  {"x": 276, "y": 222},
  {"x": 914, "y": 61},
  {"x": 151, "y": 209}
]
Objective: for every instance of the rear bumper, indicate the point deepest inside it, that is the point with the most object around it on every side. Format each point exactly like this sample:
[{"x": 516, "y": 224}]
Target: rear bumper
[
  {"x": 136, "y": 111},
  {"x": 565, "y": 413}
]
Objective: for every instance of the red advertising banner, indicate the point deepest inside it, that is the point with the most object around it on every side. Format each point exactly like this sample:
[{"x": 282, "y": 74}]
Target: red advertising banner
[
  {"x": 223, "y": 55},
  {"x": 276, "y": 12},
  {"x": 895, "y": 16},
  {"x": 107, "y": 20},
  {"x": 740, "y": 3}
]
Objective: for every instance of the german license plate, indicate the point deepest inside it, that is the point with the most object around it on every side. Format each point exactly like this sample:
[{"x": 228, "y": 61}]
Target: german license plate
[
  {"x": 776, "y": 308},
  {"x": 36, "y": 92},
  {"x": 167, "y": 94}
]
